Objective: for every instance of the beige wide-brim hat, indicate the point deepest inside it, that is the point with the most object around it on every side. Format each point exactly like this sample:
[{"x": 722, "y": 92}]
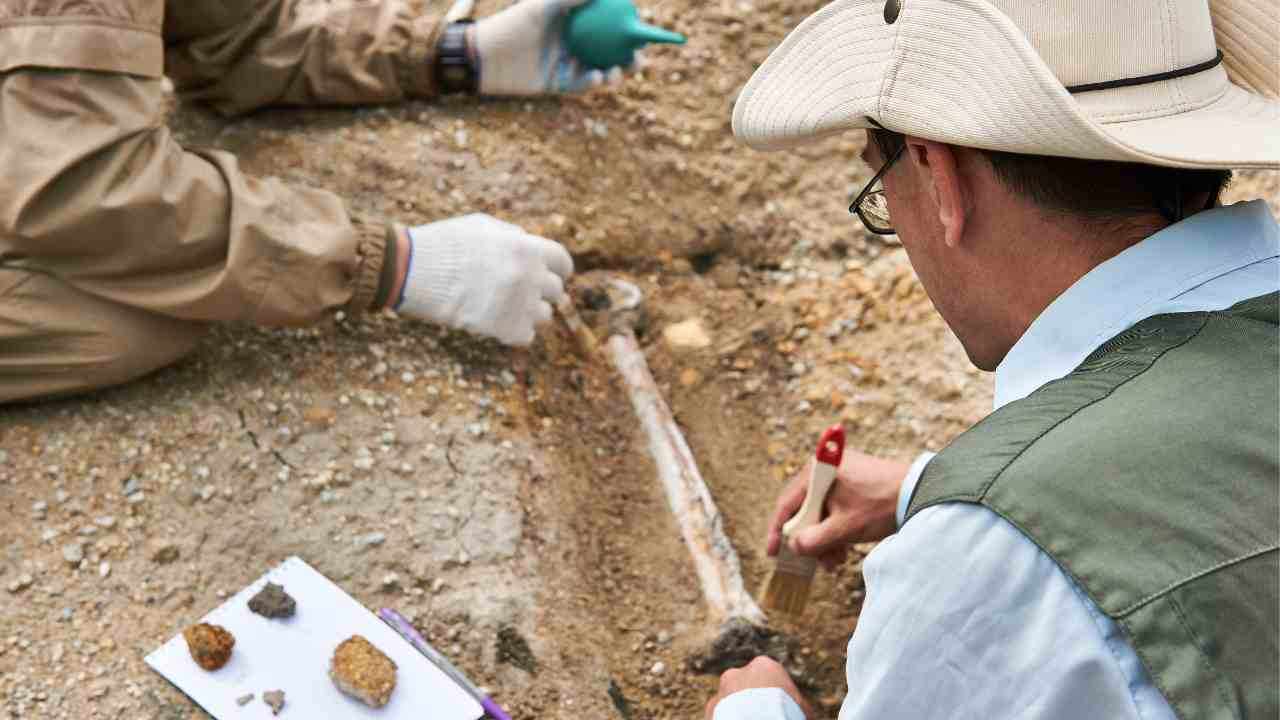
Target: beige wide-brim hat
[{"x": 1183, "y": 83}]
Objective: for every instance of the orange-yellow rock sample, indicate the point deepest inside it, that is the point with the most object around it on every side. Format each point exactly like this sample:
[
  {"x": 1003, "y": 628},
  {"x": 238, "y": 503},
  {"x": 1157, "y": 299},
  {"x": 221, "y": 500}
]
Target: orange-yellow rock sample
[
  {"x": 210, "y": 645},
  {"x": 361, "y": 670}
]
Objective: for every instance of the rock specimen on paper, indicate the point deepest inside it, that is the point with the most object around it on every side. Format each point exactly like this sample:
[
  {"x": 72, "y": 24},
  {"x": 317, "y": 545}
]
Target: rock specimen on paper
[
  {"x": 209, "y": 645},
  {"x": 361, "y": 670},
  {"x": 275, "y": 700},
  {"x": 273, "y": 602}
]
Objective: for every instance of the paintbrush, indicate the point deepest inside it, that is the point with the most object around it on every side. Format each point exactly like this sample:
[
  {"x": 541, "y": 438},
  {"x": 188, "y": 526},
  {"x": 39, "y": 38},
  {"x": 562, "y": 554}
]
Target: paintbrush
[
  {"x": 787, "y": 589},
  {"x": 407, "y": 631}
]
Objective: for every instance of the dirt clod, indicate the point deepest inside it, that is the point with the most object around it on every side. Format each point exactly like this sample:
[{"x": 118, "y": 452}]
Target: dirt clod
[
  {"x": 210, "y": 645},
  {"x": 273, "y": 602},
  {"x": 620, "y": 702},
  {"x": 514, "y": 649},
  {"x": 361, "y": 670},
  {"x": 163, "y": 551},
  {"x": 738, "y": 643}
]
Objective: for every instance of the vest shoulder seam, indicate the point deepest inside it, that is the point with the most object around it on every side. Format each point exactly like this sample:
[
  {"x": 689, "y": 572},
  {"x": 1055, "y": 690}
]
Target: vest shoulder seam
[
  {"x": 986, "y": 487},
  {"x": 1208, "y": 663},
  {"x": 1156, "y": 678},
  {"x": 1247, "y": 555}
]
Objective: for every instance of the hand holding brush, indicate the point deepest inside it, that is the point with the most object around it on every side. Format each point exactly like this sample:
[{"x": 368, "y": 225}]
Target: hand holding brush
[{"x": 856, "y": 505}]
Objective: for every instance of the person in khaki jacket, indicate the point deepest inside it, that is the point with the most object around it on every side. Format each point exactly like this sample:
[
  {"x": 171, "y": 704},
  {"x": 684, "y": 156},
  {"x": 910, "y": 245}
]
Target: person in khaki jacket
[{"x": 118, "y": 246}]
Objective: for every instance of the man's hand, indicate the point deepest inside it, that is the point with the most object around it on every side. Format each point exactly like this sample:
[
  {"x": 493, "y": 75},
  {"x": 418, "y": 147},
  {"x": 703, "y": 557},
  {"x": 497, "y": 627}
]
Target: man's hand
[
  {"x": 762, "y": 672},
  {"x": 859, "y": 508},
  {"x": 488, "y": 277},
  {"x": 522, "y": 52}
]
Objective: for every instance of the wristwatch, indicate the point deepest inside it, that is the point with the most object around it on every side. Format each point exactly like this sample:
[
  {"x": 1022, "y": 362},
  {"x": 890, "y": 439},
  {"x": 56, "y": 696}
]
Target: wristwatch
[{"x": 457, "y": 67}]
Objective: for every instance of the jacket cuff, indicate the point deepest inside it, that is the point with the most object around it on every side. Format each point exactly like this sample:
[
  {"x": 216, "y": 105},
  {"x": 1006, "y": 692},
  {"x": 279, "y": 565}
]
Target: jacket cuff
[
  {"x": 375, "y": 266},
  {"x": 758, "y": 704},
  {"x": 417, "y": 69}
]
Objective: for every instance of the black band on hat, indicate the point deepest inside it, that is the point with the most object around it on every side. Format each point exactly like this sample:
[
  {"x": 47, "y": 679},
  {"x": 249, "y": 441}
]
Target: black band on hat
[{"x": 1145, "y": 79}]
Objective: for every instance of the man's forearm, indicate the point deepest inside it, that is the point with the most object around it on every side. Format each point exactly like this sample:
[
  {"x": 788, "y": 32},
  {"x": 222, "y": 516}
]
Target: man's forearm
[
  {"x": 119, "y": 210},
  {"x": 296, "y": 52}
]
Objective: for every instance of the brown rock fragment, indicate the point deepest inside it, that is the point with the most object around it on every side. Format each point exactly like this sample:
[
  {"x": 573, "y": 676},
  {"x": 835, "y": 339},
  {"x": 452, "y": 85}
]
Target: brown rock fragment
[
  {"x": 275, "y": 700},
  {"x": 273, "y": 602},
  {"x": 361, "y": 670},
  {"x": 209, "y": 645}
]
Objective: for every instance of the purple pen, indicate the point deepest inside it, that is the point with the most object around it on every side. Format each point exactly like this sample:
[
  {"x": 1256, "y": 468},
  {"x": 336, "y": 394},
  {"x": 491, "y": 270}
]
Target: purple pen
[{"x": 406, "y": 631}]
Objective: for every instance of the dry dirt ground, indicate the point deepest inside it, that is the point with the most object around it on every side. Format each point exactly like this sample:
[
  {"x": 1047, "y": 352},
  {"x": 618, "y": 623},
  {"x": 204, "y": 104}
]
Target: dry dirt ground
[{"x": 500, "y": 498}]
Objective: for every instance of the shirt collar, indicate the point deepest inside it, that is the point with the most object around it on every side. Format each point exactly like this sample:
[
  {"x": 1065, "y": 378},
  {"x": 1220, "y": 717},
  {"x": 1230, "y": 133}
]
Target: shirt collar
[{"x": 1133, "y": 286}]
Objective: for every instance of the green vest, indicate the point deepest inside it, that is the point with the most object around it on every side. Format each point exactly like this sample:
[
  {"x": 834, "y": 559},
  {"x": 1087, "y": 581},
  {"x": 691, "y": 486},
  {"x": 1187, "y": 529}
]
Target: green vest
[{"x": 1151, "y": 475}]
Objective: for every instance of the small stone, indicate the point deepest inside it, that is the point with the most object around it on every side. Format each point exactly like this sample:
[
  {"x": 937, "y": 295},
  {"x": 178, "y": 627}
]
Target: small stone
[
  {"x": 362, "y": 671},
  {"x": 210, "y": 645},
  {"x": 373, "y": 539},
  {"x": 22, "y": 582},
  {"x": 273, "y": 602},
  {"x": 390, "y": 580},
  {"x": 163, "y": 551},
  {"x": 274, "y": 700},
  {"x": 658, "y": 668},
  {"x": 73, "y": 553},
  {"x": 106, "y": 521},
  {"x": 244, "y": 700},
  {"x": 104, "y": 569},
  {"x": 320, "y": 417},
  {"x": 687, "y": 335}
]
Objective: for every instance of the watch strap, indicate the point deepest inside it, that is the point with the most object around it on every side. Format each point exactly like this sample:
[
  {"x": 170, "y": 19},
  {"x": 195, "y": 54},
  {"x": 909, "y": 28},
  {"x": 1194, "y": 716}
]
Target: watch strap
[{"x": 457, "y": 70}]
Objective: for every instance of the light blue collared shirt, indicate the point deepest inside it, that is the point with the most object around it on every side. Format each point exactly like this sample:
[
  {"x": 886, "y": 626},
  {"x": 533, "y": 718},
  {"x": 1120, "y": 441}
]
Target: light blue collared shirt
[{"x": 967, "y": 618}]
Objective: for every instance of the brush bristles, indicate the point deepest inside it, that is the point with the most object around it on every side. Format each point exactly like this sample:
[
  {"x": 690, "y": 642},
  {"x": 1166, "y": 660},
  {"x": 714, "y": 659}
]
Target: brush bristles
[{"x": 787, "y": 589}]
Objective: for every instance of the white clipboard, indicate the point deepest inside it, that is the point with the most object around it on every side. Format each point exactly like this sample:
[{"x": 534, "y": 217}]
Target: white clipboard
[{"x": 293, "y": 655}]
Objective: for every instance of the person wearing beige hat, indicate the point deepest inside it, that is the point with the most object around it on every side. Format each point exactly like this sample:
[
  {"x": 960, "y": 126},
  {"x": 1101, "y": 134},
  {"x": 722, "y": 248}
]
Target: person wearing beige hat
[
  {"x": 118, "y": 247},
  {"x": 1105, "y": 543}
]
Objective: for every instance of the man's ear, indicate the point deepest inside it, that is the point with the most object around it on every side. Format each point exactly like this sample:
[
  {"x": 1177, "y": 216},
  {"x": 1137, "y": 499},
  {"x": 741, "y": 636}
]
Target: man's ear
[{"x": 946, "y": 185}]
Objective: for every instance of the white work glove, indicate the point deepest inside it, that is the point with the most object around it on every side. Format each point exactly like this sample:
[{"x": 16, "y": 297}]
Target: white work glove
[
  {"x": 485, "y": 276},
  {"x": 522, "y": 52}
]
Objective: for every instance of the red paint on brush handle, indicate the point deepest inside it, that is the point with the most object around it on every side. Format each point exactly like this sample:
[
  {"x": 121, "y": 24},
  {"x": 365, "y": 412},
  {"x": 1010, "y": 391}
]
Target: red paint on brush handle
[{"x": 831, "y": 446}]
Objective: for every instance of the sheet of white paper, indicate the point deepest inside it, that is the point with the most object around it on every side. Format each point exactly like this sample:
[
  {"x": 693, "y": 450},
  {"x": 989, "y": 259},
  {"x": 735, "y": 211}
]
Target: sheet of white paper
[{"x": 293, "y": 655}]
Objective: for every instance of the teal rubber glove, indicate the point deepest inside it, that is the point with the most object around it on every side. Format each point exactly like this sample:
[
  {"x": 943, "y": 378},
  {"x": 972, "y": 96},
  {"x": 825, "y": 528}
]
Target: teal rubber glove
[{"x": 522, "y": 52}]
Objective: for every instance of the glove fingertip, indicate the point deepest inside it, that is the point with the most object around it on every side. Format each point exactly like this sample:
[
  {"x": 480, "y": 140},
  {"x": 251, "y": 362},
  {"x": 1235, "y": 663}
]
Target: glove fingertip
[{"x": 558, "y": 259}]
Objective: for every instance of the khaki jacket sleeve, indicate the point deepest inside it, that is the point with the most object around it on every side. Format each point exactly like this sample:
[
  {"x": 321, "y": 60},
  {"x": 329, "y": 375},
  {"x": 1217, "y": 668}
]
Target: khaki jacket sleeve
[
  {"x": 239, "y": 55},
  {"x": 101, "y": 196}
]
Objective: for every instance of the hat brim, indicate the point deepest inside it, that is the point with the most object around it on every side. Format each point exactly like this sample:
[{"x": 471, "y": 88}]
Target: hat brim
[{"x": 960, "y": 72}]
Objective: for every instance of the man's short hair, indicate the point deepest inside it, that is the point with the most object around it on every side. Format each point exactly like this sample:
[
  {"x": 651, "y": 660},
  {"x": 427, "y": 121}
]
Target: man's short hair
[{"x": 1095, "y": 190}]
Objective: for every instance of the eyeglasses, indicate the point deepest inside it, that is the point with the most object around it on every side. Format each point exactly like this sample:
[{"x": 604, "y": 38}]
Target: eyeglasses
[{"x": 871, "y": 206}]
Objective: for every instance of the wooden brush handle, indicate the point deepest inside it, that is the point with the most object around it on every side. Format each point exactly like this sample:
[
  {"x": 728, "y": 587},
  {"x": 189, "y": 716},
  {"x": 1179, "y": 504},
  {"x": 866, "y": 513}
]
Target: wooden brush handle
[
  {"x": 820, "y": 482},
  {"x": 823, "y": 475}
]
